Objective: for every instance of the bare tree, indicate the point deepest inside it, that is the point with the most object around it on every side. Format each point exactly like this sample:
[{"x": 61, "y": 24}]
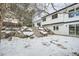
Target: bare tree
[
  {"x": 40, "y": 8},
  {"x": 52, "y": 4},
  {"x": 45, "y": 6},
  {"x": 2, "y": 11}
]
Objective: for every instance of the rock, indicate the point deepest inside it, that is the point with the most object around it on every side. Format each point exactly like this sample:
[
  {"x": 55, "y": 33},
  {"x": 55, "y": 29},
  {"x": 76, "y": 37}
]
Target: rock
[
  {"x": 10, "y": 38},
  {"x": 77, "y": 54},
  {"x": 31, "y": 37},
  {"x": 27, "y": 45},
  {"x": 51, "y": 42},
  {"x": 66, "y": 41},
  {"x": 20, "y": 34},
  {"x": 9, "y": 34},
  {"x": 3, "y": 35},
  {"x": 28, "y": 33},
  {"x": 46, "y": 44},
  {"x": 61, "y": 46},
  {"x": 1, "y": 54}
]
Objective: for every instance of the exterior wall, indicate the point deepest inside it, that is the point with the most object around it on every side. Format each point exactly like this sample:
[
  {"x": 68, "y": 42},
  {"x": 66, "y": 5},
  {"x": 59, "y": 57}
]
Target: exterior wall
[
  {"x": 38, "y": 21},
  {"x": 72, "y": 18},
  {"x": 62, "y": 17},
  {"x": 63, "y": 28},
  {"x": 49, "y": 19}
]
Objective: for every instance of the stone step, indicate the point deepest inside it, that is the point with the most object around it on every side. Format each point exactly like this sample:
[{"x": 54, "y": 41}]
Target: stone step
[{"x": 37, "y": 32}]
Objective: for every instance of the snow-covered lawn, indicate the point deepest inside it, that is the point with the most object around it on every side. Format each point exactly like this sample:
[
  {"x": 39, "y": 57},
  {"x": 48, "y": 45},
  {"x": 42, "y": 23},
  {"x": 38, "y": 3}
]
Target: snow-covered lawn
[{"x": 52, "y": 45}]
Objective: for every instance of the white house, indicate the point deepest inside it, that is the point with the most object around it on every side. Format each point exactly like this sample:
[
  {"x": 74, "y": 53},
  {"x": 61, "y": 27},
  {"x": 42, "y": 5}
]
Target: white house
[
  {"x": 37, "y": 21},
  {"x": 64, "y": 21}
]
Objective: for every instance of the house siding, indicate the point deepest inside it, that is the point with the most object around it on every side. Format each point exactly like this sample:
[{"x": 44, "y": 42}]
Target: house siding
[
  {"x": 36, "y": 22},
  {"x": 63, "y": 21}
]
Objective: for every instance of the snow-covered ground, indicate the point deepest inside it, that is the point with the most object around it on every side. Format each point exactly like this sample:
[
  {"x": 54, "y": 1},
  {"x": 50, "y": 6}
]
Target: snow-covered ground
[{"x": 52, "y": 45}]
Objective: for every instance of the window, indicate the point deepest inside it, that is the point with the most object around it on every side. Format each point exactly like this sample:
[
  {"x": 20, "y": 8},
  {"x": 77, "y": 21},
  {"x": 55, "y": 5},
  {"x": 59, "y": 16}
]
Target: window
[
  {"x": 72, "y": 29},
  {"x": 38, "y": 24},
  {"x": 44, "y": 19},
  {"x": 55, "y": 28},
  {"x": 77, "y": 29},
  {"x": 54, "y": 16},
  {"x": 77, "y": 11},
  {"x": 71, "y": 13}
]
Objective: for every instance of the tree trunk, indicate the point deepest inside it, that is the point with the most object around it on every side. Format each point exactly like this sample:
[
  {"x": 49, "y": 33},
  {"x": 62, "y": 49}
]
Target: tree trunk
[
  {"x": 2, "y": 11},
  {"x": 0, "y": 26}
]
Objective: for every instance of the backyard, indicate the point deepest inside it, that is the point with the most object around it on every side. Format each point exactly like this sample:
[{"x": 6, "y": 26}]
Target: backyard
[{"x": 51, "y": 45}]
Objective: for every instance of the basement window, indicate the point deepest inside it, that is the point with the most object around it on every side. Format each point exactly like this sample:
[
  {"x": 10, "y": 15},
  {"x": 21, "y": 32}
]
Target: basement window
[{"x": 55, "y": 28}]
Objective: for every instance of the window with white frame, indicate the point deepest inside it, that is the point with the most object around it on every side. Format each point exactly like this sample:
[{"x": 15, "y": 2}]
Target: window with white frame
[
  {"x": 77, "y": 29},
  {"x": 44, "y": 19},
  {"x": 71, "y": 13},
  {"x": 72, "y": 29},
  {"x": 77, "y": 11},
  {"x": 54, "y": 16},
  {"x": 55, "y": 28}
]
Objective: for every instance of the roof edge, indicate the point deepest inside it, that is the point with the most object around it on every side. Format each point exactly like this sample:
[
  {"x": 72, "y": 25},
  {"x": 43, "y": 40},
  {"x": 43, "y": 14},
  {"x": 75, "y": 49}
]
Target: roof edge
[{"x": 60, "y": 9}]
